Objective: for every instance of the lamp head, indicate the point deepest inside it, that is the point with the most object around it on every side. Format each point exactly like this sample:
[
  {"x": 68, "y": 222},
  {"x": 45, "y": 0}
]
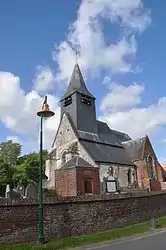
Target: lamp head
[{"x": 45, "y": 112}]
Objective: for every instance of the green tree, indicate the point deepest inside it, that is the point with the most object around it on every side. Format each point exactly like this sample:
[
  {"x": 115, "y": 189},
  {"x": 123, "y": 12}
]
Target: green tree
[
  {"x": 6, "y": 175},
  {"x": 9, "y": 152},
  {"x": 4, "y": 178},
  {"x": 20, "y": 176},
  {"x": 28, "y": 168},
  {"x": 16, "y": 169}
]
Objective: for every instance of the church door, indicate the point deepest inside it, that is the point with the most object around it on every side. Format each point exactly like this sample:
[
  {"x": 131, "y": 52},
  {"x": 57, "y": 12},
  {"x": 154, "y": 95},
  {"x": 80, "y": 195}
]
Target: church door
[{"x": 88, "y": 186}]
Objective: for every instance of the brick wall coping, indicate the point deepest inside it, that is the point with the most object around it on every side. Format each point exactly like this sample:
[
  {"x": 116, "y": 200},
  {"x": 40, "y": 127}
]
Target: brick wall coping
[{"x": 79, "y": 199}]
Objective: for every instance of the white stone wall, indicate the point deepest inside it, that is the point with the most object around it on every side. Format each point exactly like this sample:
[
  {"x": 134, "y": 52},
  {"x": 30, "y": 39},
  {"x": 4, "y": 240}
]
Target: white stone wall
[
  {"x": 84, "y": 154},
  {"x": 119, "y": 172},
  {"x": 49, "y": 171},
  {"x": 65, "y": 137}
]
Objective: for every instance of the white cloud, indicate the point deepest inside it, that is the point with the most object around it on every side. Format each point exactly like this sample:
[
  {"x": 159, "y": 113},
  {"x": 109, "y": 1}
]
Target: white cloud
[
  {"x": 129, "y": 118},
  {"x": 18, "y": 110},
  {"x": 13, "y": 138},
  {"x": 120, "y": 97},
  {"x": 87, "y": 36},
  {"x": 44, "y": 79}
]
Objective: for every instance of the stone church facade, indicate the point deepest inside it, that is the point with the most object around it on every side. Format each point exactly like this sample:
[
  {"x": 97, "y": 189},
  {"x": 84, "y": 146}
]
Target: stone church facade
[{"x": 86, "y": 154}]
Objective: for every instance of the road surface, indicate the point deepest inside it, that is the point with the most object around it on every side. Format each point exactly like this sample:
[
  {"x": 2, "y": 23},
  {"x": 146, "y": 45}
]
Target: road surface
[{"x": 153, "y": 241}]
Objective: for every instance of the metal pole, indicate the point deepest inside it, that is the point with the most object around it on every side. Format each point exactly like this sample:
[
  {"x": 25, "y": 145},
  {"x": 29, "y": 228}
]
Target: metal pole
[{"x": 40, "y": 224}]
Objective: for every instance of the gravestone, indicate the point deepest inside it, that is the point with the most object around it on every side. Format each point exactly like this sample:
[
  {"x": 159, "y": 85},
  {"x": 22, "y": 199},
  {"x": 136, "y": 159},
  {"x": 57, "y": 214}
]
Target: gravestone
[
  {"x": 20, "y": 189},
  {"x": 7, "y": 190},
  {"x": 13, "y": 195},
  {"x": 31, "y": 191}
]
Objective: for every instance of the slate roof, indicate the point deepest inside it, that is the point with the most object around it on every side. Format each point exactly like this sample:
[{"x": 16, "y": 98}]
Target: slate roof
[
  {"x": 76, "y": 161},
  {"x": 77, "y": 84},
  {"x": 103, "y": 153},
  {"x": 105, "y": 135},
  {"x": 134, "y": 148},
  {"x": 104, "y": 147},
  {"x": 111, "y": 136}
]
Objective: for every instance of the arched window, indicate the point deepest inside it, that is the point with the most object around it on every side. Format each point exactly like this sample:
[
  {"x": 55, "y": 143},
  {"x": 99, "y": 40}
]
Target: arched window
[
  {"x": 64, "y": 158},
  {"x": 129, "y": 176},
  {"x": 150, "y": 167}
]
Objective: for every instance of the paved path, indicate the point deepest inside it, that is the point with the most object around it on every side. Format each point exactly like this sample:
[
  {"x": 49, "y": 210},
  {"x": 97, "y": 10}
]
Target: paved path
[{"x": 147, "y": 242}]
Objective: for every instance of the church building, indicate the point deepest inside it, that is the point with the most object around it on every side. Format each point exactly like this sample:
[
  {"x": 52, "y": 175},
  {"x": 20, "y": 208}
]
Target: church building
[{"x": 88, "y": 157}]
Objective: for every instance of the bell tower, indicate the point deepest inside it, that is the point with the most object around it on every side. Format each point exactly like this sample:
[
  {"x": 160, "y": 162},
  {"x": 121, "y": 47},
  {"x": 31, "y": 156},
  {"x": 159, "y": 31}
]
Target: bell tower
[{"x": 79, "y": 103}]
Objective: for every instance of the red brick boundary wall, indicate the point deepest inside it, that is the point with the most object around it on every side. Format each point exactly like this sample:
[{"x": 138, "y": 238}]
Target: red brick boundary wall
[{"x": 76, "y": 215}]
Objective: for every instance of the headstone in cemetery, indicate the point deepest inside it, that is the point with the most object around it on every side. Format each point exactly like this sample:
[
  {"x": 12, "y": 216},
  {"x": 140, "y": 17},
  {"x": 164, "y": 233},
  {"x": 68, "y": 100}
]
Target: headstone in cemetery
[
  {"x": 20, "y": 189},
  {"x": 13, "y": 195},
  {"x": 7, "y": 190},
  {"x": 31, "y": 191}
]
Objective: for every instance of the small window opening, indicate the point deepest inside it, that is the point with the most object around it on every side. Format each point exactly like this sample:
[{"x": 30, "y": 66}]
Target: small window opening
[
  {"x": 129, "y": 176},
  {"x": 67, "y": 101},
  {"x": 86, "y": 99}
]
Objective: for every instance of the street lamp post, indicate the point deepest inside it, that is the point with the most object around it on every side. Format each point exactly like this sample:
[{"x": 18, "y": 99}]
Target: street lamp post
[{"x": 44, "y": 113}]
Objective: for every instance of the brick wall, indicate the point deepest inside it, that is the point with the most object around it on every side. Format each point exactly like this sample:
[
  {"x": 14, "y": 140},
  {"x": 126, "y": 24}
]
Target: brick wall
[
  {"x": 76, "y": 215},
  {"x": 159, "y": 172},
  {"x": 155, "y": 185},
  {"x": 65, "y": 182},
  {"x": 142, "y": 174},
  {"x": 70, "y": 182},
  {"x": 84, "y": 173},
  {"x": 142, "y": 171}
]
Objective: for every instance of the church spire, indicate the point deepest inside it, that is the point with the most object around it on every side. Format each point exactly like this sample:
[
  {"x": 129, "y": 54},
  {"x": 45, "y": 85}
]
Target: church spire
[
  {"x": 77, "y": 84},
  {"x": 79, "y": 103}
]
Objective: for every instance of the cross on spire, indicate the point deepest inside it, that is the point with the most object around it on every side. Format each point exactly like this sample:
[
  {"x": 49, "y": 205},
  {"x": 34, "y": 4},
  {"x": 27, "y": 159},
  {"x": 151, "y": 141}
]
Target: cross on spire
[{"x": 76, "y": 54}]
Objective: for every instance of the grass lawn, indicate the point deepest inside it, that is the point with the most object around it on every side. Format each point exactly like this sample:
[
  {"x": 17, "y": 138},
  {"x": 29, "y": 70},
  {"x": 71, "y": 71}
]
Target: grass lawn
[{"x": 61, "y": 243}]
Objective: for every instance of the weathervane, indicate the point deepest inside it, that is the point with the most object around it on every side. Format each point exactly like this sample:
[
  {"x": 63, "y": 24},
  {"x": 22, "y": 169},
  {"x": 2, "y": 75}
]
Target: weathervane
[
  {"x": 75, "y": 51},
  {"x": 76, "y": 54}
]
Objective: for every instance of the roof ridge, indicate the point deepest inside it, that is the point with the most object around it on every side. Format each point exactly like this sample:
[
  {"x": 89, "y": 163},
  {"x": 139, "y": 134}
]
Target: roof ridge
[
  {"x": 102, "y": 143},
  {"x": 134, "y": 140}
]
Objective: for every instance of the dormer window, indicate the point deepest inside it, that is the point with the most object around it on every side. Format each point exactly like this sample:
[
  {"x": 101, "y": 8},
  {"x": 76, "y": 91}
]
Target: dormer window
[
  {"x": 86, "y": 99},
  {"x": 67, "y": 101}
]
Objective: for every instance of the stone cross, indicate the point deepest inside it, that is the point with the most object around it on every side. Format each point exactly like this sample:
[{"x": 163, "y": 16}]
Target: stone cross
[{"x": 31, "y": 191}]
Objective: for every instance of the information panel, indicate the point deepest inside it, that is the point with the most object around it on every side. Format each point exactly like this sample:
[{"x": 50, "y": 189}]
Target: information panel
[{"x": 111, "y": 186}]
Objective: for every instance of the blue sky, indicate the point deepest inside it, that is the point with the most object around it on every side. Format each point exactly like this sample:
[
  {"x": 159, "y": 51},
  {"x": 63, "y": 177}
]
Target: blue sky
[{"x": 35, "y": 42}]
